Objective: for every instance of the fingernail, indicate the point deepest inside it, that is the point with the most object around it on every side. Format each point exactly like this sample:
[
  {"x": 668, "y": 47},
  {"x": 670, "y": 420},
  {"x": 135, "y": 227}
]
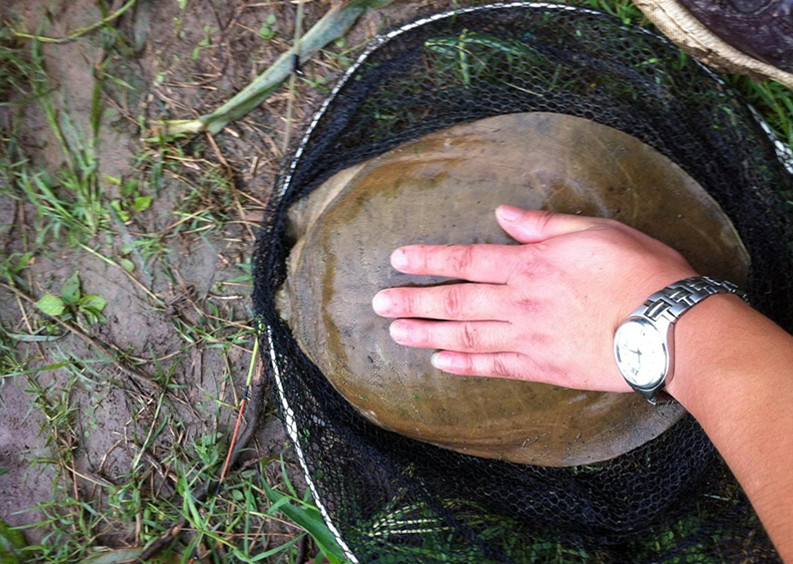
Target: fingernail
[
  {"x": 508, "y": 213},
  {"x": 398, "y": 331},
  {"x": 380, "y": 303},
  {"x": 399, "y": 259},
  {"x": 437, "y": 361}
]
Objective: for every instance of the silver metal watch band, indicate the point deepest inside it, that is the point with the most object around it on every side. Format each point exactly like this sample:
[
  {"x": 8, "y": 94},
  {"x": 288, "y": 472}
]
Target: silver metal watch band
[
  {"x": 665, "y": 307},
  {"x": 674, "y": 300}
]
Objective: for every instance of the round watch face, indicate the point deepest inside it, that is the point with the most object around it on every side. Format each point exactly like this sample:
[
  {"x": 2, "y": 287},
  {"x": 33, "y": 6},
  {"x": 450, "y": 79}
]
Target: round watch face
[{"x": 641, "y": 353}]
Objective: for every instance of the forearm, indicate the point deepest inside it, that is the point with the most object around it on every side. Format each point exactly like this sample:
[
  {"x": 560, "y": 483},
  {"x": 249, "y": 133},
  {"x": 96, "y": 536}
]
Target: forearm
[{"x": 734, "y": 374}]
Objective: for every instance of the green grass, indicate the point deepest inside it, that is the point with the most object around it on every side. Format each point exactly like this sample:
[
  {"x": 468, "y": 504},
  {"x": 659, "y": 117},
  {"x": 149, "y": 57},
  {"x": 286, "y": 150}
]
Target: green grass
[
  {"x": 772, "y": 100},
  {"x": 67, "y": 201},
  {"x": 235, "y": 524},
  {"x": 102, "y": 217},
  {"x": 622, "y": 9}
]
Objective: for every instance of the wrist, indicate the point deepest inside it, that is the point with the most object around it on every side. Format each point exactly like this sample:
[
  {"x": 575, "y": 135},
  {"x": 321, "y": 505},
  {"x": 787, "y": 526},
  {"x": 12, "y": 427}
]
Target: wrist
[
  {"x": 644, "y": 344},
  {"x": 708, "y": 349},
  {"x": 734, "y": 377}
]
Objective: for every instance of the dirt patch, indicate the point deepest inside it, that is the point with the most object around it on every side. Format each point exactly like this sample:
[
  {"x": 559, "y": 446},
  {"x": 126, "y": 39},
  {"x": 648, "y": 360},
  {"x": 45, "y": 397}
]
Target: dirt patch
[{"x": 24, "y": 485}]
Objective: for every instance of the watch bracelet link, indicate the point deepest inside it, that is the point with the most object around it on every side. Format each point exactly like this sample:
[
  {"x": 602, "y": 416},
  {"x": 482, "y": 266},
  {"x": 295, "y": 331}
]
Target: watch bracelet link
[
  {"x": 669, "y": 304},
  {"x": 674, "y": 300}
]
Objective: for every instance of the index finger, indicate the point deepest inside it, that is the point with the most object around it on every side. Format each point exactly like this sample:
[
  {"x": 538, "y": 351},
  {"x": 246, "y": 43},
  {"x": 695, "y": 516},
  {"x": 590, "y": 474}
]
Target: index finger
[{"x": 475, "y": 263}]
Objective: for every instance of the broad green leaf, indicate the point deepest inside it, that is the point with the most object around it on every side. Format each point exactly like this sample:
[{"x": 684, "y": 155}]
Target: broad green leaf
[
  {"x": 91, "y": 308},
  {"x": 71, "y": 289},
  {"x": 96, "y": 303},
  {"x": 141, "y": 203},
  {"x": 267, "y": 32},
  {"x": 127, "y": 264},
  {"x": 120, "y": 212},
  {"x": 51, "y": 305},
  {"x": 92, "y": 317}
]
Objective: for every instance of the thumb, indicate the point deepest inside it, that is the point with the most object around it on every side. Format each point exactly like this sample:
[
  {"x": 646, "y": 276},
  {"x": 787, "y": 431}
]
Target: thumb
[{"x": 533, "y": 226}]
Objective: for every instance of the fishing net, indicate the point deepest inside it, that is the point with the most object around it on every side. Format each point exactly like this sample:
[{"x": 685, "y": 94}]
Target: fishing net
[{"x": 388, "y": 498}]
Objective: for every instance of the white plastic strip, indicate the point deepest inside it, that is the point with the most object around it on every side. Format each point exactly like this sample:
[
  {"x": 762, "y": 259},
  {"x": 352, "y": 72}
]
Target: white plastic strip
[
  {"x": 291, "y": 430},
  {"x": 783, "y": 151}
]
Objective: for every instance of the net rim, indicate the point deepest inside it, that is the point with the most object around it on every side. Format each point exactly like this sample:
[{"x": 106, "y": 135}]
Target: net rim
[{"x": 784, "y": 155}]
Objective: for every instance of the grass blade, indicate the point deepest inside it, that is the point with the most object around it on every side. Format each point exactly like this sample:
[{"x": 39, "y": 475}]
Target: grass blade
[
  {"x": 332, "y": 26},
  {"x": 310, "y": 520}
]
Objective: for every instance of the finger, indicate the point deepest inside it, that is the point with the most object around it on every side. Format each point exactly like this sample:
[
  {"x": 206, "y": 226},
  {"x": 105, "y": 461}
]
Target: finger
[
  {"x": 476, "y": 263},
  {"x": 534, "y": 226},
  {"x": 462, "y": 302},
  {"x": 516, "y": 366},
  {"x": 461, "y": 336},
  {"x": 495, "y": 365}
]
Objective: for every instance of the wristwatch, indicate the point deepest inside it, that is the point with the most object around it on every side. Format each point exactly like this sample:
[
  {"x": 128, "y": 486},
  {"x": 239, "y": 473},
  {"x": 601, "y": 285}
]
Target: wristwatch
[{"x": 644, "y": 342}]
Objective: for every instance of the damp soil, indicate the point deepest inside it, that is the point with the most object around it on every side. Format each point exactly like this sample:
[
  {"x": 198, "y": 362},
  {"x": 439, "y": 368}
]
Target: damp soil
[{"x": 183, "y": 313}]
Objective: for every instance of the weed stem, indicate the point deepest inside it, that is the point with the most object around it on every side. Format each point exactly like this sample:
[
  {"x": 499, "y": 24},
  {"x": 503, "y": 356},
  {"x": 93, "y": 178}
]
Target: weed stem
[
  {"x": 254, "y": 384},
  {"x": 78, "y": 32}
]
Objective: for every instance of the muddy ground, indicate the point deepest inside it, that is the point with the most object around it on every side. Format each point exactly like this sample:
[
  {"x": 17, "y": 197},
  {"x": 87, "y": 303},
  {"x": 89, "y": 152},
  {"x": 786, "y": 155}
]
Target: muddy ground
[{"x": 175, "y": 275}]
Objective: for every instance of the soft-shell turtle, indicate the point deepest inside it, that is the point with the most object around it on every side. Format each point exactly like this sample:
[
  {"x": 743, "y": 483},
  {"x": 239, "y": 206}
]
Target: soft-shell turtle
[{"x": 442, "y": 188}]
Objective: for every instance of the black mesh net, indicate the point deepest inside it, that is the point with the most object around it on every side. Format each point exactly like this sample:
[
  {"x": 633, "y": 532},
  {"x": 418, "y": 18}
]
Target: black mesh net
[{"x": 393, "y": 499}]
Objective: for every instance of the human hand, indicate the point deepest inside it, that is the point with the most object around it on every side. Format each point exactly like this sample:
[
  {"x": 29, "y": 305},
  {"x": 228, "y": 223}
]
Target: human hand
[{"x": 545, "y": 310}]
